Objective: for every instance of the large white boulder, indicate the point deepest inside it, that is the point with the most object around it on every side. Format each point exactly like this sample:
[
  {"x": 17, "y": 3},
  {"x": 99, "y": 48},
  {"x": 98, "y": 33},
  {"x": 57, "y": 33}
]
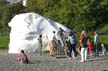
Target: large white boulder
[{"x": 25, "y": 29}]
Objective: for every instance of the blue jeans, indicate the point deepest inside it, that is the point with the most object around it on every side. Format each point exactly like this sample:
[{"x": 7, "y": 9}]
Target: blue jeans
[
  {"x": 40, "y": 50},
  {"x": 96, "y": 51}
]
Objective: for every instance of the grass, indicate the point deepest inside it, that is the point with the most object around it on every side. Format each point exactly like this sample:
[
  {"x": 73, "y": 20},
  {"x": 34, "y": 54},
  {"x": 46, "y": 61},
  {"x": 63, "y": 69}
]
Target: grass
[
  {"x": 103, "y": 39},
  {"x": 4, "y": 41}
]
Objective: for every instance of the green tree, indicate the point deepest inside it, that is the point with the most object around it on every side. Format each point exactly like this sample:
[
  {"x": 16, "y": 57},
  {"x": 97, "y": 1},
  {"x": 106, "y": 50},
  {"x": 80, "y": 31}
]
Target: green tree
[
  {"x": 8, "y": 12},
  {"x": 76, "y": 14}
]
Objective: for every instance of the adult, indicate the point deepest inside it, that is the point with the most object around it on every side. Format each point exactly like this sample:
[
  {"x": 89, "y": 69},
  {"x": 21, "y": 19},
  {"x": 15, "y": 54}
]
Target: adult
[
  {"x": 40, "y": 45},
  {"x": 62, "y": 36},
  {"x": 54, "y": 44},
  {"x": 83, "y": 44},
  {"x": 96, "y": 40},
  {"x": 72, "y": 47}
]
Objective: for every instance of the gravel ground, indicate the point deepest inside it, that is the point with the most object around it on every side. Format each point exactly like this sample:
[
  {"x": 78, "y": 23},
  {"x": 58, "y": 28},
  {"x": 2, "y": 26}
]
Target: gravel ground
[{"x": 8, "y": 62}]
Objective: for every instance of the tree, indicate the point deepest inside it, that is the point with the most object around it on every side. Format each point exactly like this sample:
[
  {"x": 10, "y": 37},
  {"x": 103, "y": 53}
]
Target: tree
[
  {"x": 78, "y": 15},
  {"x": 8, "y": 12}
]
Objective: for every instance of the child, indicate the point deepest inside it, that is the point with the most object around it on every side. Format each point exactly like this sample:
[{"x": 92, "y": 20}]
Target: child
[
  {"x": 67, "y": 51},
  {"x": 104, "y": 52},
  {"x": 22, "y": 58},
  {"x": 59, "y": 47},
  {"x": 91, "y": 48}
]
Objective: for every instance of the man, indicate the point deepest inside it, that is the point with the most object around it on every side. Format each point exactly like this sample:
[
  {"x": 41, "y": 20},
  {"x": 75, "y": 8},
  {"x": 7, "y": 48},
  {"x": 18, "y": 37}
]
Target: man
[
  {"x": 72, "y": 48},
  {"x": 40, "y": 45},
  {"x": 96, "y": 39}
]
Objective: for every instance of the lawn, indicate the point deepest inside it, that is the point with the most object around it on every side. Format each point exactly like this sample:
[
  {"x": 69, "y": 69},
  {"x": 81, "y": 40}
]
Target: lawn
[
  {"x": 4, "y": 41},
  {"x": 103, "y": 39}
]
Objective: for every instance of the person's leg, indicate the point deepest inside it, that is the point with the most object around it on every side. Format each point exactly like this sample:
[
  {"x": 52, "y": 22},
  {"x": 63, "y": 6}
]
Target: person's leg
[
  {"x": 82, "y": 54},
  {"x": 72, "y": 54},
  {"x": 74, "y": 51},
  {"x": 55, "y": 51},
  {"x": 70, "y": 49},
  {"x": 40, "y": 51},
  {"x": 97, "y": 52},
  {"x": 85, "y": 53},
  {"x": 50, "y": 45}
]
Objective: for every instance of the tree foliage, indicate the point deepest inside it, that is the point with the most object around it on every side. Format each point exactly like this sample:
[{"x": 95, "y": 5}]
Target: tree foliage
[
  {"x": 7, "y": 12},
  {"x": 78, "y": 15}
]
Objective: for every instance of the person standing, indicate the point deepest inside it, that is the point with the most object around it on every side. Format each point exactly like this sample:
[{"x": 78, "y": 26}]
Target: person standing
[
  {"x": 53, "y": 44},
  {"x": 62, "y": 36},
  {"x": 96, "y": 40},
  {"x": 90, "y": 45},
  {"x": 40, "y": 45},
  {"x": 83, "y": 44},
  {"x": 72, "y": 41}
]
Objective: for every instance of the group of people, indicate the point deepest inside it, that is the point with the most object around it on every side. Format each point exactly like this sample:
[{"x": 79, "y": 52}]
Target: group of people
[
  {"x": 68, "y": 45},
  {"x": 87, "y": 46},
  {"x": 64, "y": 44}
]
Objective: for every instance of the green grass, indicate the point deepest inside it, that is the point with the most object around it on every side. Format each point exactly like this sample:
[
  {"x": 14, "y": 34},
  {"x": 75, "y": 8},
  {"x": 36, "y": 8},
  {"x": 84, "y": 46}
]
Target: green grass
[
  {"x": 103, "y": 39},
  {"x": 4, "y": 41}
]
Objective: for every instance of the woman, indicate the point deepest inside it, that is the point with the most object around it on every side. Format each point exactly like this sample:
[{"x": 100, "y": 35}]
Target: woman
[
  {"x": 22, "y": 58},
  {"x": 84, "y": 49}
]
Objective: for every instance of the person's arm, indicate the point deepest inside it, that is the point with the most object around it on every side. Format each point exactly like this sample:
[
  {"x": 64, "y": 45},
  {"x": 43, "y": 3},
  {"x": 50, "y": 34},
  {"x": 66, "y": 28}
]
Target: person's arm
[
  {"x": 19, "y": 58},
  {"x": 81, "y": 41},
  {"x": 96, "y": 39}
]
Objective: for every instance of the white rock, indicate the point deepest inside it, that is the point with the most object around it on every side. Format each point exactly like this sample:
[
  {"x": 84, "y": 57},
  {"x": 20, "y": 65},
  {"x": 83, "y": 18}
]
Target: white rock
[{"x": 25, "y": 29}]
